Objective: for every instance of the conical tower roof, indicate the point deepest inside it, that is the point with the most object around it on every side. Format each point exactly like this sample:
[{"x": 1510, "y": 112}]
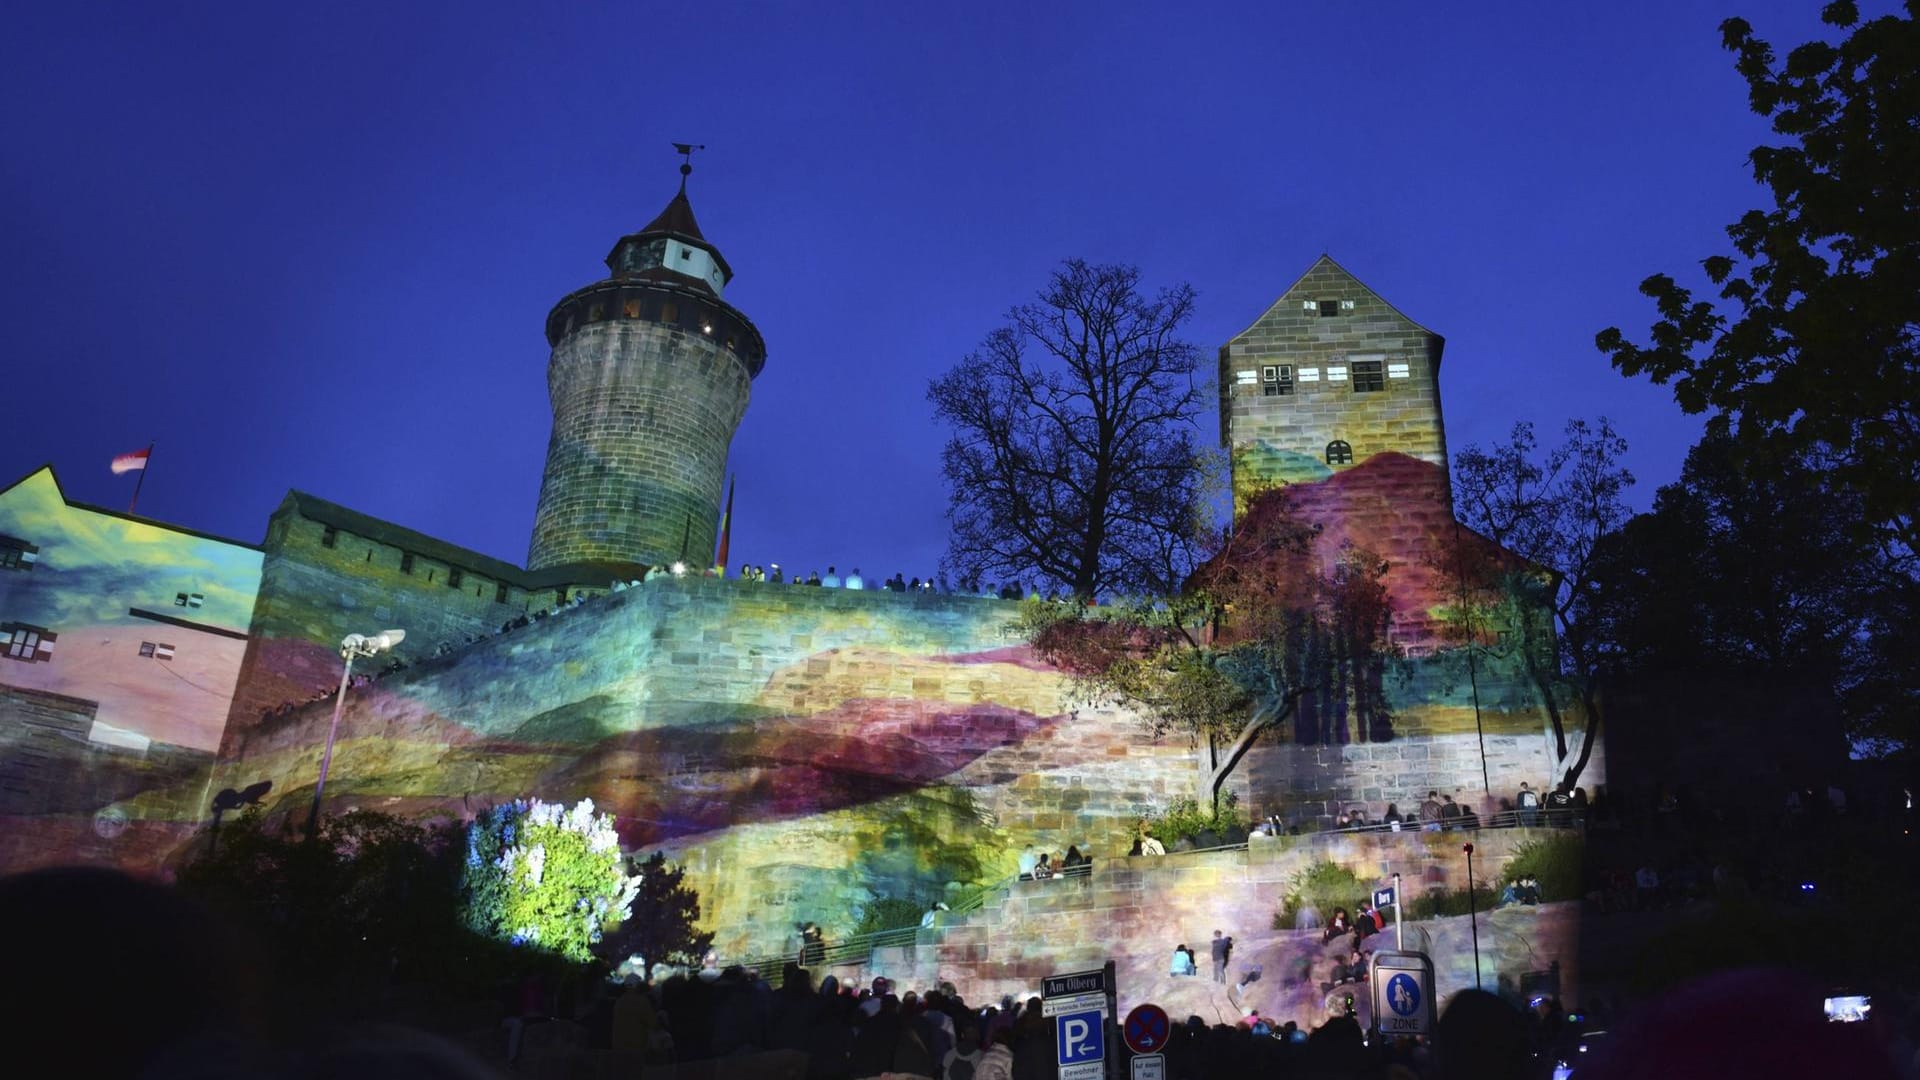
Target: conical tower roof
[{"x": 642, "y": 254}]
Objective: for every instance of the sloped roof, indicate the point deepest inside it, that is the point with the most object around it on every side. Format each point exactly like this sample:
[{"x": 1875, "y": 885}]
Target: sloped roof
[
  {"x": 121, "y": 514},
  {"x": 1328, "y": 260},
  {"x": 677, "y": 218}
]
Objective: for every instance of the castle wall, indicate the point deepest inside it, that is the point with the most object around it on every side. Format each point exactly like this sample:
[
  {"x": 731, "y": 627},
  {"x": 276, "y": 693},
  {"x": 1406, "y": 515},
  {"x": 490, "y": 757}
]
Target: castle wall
[
  {"x": 643, "y": 414},
  {"x": 321, "y": 581},
  {"x": 1134, "y": 911},
  {"x": 802, "y": 750},
  {"x": 1284, "y": 438}
]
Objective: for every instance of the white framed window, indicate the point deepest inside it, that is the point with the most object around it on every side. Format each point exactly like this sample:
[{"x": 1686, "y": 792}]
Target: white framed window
[{"x": 28, "y": 644}]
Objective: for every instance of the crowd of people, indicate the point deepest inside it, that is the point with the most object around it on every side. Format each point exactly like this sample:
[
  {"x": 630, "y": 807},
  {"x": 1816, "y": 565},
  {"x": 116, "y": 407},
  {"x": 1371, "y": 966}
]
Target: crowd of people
[{"x": 1036, "y": 865}]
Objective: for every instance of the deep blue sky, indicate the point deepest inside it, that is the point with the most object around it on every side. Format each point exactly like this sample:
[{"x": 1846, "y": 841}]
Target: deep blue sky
[{"x": 313, "y": 246}]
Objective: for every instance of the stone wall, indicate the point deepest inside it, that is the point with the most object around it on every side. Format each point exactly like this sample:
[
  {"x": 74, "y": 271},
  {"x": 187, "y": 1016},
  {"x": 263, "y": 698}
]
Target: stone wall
[
  {"x": 803, "y": 750},
  {"x": 1135, "y": 911},
  {"x": 1284, "y": 438},
  {"x": 643, "y": 415},
  {"x": 323, "y": 579}
]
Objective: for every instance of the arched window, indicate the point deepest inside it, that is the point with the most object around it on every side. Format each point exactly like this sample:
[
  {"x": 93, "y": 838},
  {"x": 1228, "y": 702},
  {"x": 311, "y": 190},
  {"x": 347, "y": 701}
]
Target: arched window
[{"x": 1339, "y": 453}]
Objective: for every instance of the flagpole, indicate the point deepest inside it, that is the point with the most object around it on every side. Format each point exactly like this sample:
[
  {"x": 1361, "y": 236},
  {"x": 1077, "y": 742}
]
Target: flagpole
[
  {"x": 144, "y": 466},
  {"x": 726, "y": 534}
]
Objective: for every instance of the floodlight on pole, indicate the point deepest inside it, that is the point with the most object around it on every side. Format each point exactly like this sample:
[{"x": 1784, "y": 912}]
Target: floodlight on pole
[{"x": 351, "y": 647}]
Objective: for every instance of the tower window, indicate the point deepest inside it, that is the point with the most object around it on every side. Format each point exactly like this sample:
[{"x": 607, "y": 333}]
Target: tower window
[
  {"x": 500, "y": 593},
  {"x": 188, "y": 599},
  {"x": 596, "y": 312},
  {"x": 18, "y": 641},
  {"x": 1367, "y": 377},
  {"x": 631, "y": 309},
  {"x": 1339, "y": 453},
  {"x": 1276, "y": 380},
  {"x": 669, "y": 312},
  {"x": 156, "y": 650},
  {"x": 16, "y": 554},
  {"x": 406, "y": 562},
  {"x": 329, "y": 536},
  {"x": 560, "y": 595},
  {"x": 453, "y": 577},
  {"x": 1327, "y": 308}
]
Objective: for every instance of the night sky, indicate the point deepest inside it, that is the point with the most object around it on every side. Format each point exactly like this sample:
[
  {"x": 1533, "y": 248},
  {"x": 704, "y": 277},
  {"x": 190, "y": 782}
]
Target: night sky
[{"x": 314, "y": 246}]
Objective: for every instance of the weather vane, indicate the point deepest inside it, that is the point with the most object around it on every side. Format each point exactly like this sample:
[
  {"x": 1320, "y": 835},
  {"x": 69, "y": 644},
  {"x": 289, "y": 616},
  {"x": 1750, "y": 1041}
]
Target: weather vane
[{"x": 686, "y": 150}]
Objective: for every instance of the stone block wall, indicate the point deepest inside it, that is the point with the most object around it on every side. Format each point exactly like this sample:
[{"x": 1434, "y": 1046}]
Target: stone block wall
[
  {"x": 1284, "y": 438},
  {"x": 323, "y": 579},
  {"x": 643, "y": 415},
  {"x": 802, "y": 750},
  {"x": 1135, "y": 911}
]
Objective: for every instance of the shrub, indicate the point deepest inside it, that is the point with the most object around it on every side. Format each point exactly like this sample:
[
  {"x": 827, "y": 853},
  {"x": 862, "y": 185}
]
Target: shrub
[
  {"x": 542, "y": 875},
  {"x": 1324, "y": 885},
  {"x": 1186, "y": 819},
  {"x": 889, "y": 913},
  {"x": 1450, "y": 902},
  {"x": 1555, "y": 861}
]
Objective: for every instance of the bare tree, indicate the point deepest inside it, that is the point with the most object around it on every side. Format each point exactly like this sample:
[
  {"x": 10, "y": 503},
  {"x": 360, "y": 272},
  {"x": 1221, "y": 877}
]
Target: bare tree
[
  {"x": 1266, "y": 632},
  {"x": 1556, "y": 512},
  {"x": 1074, "y": 457}
]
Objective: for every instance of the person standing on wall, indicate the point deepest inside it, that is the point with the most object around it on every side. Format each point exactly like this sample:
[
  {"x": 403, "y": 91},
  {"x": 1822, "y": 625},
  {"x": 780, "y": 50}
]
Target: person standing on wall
[
  {"x": 1222, "y": 951},
  {"x": 1528, "y": 803}
]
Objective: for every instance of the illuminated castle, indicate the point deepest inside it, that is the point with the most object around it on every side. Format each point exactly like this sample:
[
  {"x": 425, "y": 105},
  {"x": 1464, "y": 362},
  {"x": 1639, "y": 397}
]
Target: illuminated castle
[{"x": 802, "y": 751}]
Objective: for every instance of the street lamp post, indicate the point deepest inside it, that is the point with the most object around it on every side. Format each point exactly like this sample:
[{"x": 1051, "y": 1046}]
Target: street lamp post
[
  {"x": 354, "y": 645},
  {"x": 1473, "y": 918}
]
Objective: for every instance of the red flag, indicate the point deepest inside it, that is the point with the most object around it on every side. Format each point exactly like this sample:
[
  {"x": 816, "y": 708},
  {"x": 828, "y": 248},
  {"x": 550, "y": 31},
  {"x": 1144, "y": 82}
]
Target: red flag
[
  {"x": 726, "y": 533},
  {"x": 126, "y": 463}
]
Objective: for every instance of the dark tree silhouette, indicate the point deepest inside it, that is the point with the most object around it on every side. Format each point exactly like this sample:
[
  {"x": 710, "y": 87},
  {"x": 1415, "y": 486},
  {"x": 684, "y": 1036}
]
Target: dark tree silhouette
[
  {"x": 1555, "y": 512},
  {"x": 1074, "y": 459},
  {"x": 1817, "y": 347},
  {"x": 1263, "y": 633},
  {"x": 660, "y": 925}
]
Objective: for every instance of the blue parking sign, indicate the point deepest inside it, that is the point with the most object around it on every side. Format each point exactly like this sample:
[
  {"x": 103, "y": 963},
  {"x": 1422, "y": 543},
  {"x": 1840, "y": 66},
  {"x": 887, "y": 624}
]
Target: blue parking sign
[{"x": 1080, "y": 1037}]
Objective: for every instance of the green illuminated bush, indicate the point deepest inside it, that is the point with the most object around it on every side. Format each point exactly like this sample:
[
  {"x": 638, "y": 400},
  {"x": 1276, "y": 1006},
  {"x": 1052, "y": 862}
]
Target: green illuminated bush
[
  {"x": 1555, "y": 861},
  {"x": 547, "y": 877},
  {"x": 1186, "y": 819},
  {"x": 1323, "y": 885}
]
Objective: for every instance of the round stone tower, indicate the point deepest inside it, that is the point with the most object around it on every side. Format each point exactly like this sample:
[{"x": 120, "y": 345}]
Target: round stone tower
[{"x": 649, "y": 378}]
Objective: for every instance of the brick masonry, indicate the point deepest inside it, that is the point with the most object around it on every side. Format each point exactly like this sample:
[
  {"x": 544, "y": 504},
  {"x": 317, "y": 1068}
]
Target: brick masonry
[
  {"x": 806, "y": 750},
  {"x": 1135, "y": 910},
  {"x": 1284, "y": 438},
  {"x": 643, "y": 415}
]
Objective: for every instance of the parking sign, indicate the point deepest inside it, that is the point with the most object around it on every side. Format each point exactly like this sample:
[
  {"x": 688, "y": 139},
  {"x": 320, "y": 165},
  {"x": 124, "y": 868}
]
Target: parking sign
[{"x": 1080, "y": 1039}]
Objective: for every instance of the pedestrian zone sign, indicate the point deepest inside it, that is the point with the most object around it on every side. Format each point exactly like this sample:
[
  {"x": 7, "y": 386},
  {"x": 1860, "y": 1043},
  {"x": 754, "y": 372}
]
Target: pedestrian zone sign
[{"x": 1402, "y": 985}]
